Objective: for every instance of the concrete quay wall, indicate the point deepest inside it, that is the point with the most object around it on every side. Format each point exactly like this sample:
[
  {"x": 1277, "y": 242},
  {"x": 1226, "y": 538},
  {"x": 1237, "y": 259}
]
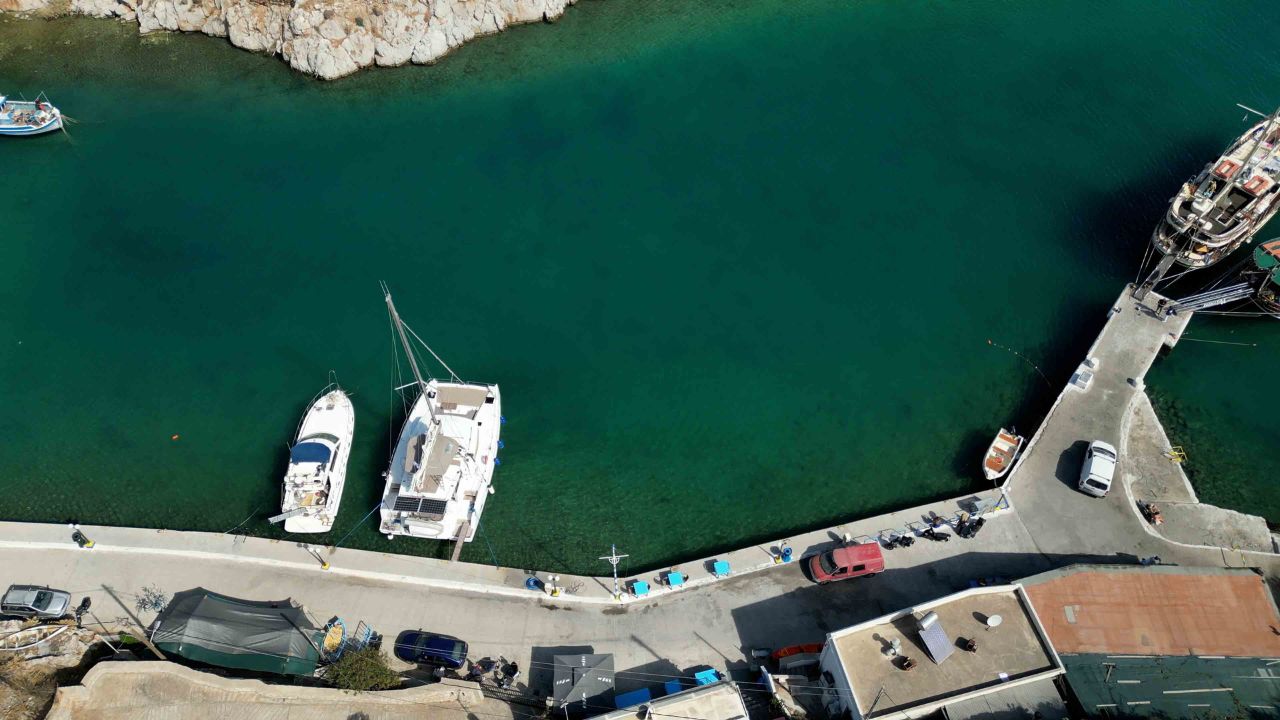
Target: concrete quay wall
[{"x": 762, "y": 603}]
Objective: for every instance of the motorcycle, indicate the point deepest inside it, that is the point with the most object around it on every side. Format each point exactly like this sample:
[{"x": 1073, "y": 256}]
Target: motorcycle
[
  {"x": 506, "y": 673},
  {"x": 967, "y": 530},
  {"x": 478, "y": 669},
  {"x": 935, "y": 536},
  {"x": 899, "y": 541}
]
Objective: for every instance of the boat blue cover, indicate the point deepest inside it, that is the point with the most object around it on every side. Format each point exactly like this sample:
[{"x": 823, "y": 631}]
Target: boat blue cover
[{"x": 310, "y": 452}]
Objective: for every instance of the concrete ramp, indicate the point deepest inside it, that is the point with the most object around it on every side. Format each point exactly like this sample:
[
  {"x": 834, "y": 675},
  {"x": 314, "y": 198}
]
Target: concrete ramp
[{"x": 1200, "y": 524}]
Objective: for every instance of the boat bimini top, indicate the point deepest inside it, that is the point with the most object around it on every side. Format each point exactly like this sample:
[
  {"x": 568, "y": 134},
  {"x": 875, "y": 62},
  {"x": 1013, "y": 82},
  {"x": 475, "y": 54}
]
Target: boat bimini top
[{"x": 310, "y": 451}]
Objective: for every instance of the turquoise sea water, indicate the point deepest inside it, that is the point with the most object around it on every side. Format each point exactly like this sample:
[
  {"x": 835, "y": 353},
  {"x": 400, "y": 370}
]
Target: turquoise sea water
[{"x": 734, "y": 264}]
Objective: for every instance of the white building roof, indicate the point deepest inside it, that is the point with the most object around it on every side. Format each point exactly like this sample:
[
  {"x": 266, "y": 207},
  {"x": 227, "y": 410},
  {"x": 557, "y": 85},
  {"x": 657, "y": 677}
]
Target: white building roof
[{"x": 1013, "y": 653}]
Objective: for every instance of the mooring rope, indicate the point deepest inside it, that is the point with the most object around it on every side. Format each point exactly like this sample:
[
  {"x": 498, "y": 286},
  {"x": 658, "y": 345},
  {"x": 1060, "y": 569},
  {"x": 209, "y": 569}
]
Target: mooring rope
[
  {"x": 492, "y": 555},
  {"x": 1220, "y": 342},
  {"x": 357, "y": 525},
  {"x": 242, "y": 522}
]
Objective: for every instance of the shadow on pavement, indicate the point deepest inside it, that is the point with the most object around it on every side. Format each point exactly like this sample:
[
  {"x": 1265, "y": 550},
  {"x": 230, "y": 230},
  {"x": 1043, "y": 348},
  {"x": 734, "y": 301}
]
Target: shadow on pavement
[{"x": 807, "y": 614}]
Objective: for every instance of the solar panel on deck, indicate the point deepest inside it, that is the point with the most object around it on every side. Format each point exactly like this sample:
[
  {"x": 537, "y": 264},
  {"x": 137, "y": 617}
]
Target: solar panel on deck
[
  {"x": 429, "y": 506},
  {"x": 935, "y": 638}
]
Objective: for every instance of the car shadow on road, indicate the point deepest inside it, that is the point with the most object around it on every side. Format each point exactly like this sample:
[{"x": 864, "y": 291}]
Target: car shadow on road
[{"x": 1070, "y": 462}]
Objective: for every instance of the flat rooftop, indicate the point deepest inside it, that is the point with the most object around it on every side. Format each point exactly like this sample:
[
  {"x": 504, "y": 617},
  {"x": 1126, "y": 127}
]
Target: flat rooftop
[
  {"x": 1014, "y": 650},
  {"x": 1130, "y": 610},
  {"x": 718, "y": 701}
]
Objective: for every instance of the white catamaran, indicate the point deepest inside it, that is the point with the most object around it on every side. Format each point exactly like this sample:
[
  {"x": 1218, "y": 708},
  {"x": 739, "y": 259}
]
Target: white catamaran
[
  {"x": 318, "y": 463},
  {"x": 441, "y": 472}
]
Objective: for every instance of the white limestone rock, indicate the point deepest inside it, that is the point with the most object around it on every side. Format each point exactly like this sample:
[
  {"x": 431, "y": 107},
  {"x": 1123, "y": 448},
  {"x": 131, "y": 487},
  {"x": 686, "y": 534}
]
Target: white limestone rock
[
  {"x": 397, "y": 31},
  {"x": 325, "y": 38},
  {"x": 255, "y": 26}
]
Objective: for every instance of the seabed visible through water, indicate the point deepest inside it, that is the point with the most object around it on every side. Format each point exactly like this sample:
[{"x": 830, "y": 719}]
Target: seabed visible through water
[{"x": 735, "y": 266}]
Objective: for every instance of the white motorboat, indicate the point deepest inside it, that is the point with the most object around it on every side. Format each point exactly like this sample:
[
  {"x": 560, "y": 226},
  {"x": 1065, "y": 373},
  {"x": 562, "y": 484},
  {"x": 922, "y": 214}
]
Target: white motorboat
[
  {"x": 441, "y": 471},
  {"x": 28, "y": 117},
  {"x": 1001, "y": 454},
  {"x": 318, "y": 463}
]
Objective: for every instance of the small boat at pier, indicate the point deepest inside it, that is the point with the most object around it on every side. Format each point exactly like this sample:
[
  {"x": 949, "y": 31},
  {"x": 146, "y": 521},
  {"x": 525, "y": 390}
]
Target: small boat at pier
[
  {"x": 28, "y": 117},
  {"x": 1001, "y": 454},
  {"x": 441, "y": 471},
  {"x": 317, "y": 470},
  {"x": 1221, "y": 208},
  {"x": 1264, "y": 276}
]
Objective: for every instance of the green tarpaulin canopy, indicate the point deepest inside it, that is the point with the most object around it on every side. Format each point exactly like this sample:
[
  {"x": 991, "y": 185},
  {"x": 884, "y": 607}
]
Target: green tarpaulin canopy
[
  {"x": 228, "y": 632},
  {"x": 1267, "y": 257}
]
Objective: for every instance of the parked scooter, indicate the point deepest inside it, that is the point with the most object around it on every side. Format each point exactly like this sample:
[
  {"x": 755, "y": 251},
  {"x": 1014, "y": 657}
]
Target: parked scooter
[
  {"x": 506, "y": 673},
  {"x": 935, "y": 536},
  {"x": 478, "y": 669},
  {"x": 968, "y": 529},
  {"x": 899, "y": 541}
]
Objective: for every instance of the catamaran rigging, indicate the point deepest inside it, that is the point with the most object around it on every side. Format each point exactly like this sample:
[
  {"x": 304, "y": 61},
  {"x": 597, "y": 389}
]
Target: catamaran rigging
[{"x": 441, "y": 468}]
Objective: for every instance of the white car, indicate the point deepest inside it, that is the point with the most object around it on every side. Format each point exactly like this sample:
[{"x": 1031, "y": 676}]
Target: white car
[{"x": 1099, "y": 469}]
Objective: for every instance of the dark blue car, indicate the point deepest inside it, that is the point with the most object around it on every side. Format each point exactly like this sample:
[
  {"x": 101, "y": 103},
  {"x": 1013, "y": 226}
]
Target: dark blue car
[{"x": 426, "y": 648}]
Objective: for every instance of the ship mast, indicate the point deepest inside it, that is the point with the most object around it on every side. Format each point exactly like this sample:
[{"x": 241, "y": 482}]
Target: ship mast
[
  {"x": 1266, "y": 130},
  {"x": 408, "y": 351}
]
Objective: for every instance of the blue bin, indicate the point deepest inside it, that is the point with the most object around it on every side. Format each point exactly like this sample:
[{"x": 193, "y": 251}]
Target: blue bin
[{"x": 633, "y": 698}]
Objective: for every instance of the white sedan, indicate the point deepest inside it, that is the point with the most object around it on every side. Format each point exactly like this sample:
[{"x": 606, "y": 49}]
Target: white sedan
[{"x": 1099, "y": 469}]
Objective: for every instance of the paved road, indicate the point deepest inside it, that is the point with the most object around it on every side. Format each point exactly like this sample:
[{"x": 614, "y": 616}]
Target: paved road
[{"x": 713, "y": 623}]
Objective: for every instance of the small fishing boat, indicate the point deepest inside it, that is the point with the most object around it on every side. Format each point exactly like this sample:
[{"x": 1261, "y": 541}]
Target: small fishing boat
[
  {"x": 1000, "y": 456},
  {"x": 318, "y": 463},
  {"x": 28, "y": 117},
  {"x": 441, "y": 470}
]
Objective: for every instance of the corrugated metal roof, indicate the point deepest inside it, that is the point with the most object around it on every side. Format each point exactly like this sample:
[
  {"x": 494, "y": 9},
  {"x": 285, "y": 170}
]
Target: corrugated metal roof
[{"x": 1172, "y": 687}]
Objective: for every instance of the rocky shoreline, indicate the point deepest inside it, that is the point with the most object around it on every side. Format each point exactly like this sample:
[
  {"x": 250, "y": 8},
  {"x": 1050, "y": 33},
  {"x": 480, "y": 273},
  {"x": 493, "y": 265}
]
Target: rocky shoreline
[{"x": 324, "y": 38}]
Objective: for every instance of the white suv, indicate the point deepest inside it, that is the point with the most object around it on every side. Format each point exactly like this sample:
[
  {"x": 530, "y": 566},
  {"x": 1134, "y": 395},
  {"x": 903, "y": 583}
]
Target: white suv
[{"x": 1099, "y": 469}]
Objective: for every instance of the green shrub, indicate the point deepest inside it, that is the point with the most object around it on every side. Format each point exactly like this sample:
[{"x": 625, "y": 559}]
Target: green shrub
[{"x": 363, "y": 669}]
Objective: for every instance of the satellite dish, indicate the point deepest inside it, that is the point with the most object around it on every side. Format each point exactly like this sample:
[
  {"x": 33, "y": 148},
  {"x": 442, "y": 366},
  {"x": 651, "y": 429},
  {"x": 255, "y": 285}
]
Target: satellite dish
[{"x": 994, "y": 621}]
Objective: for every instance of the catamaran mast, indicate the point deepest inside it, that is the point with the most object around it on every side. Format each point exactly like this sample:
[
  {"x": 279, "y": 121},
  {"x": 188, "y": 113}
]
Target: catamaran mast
[{"x": 408, "y": 351}]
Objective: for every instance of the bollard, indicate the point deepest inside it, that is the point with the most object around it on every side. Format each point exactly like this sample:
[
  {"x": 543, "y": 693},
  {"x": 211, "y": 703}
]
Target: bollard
[{"x": 80, "y": 538}]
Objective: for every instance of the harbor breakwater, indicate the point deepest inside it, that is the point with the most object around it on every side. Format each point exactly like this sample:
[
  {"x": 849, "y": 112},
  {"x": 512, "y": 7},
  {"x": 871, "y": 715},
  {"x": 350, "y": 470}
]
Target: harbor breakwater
[{"x": 324, "y": 38}]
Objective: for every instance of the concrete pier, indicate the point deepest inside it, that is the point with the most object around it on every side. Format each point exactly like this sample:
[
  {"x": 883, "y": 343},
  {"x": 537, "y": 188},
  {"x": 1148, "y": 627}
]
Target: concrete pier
[
  {"x": 1117, "y": 410},
  {"x": 710, "y": 621}
]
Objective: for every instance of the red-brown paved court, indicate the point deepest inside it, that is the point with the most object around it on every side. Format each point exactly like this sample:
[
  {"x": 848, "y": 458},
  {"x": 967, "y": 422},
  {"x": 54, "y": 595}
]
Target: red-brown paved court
[{"x": 1158, "y": 611}]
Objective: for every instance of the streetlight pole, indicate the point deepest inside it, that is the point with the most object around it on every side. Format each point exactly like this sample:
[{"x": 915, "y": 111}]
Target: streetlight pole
[{"x": 613, "y": 557}]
